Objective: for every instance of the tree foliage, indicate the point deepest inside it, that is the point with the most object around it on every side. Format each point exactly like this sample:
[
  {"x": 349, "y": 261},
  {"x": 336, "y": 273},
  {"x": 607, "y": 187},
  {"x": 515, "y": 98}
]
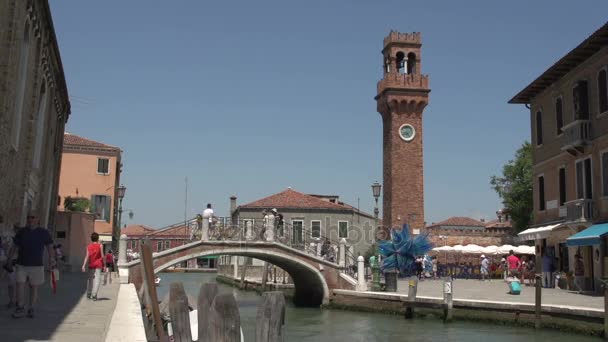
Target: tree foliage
[
  {"x": 514, "y": 187},
  {"x": 76, "y": 204}
]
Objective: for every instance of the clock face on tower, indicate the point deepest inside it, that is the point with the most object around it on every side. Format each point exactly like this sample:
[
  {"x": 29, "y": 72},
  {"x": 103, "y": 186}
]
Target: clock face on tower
[{"x": 407, "y": 132}]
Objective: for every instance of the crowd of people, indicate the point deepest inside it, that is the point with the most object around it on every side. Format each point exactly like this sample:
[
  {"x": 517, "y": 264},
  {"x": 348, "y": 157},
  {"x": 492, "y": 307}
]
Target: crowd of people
[{"x": 25, "y": 267}]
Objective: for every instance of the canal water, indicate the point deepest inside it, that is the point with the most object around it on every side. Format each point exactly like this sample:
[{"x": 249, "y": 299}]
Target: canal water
[{"x": 316, "y": 325}]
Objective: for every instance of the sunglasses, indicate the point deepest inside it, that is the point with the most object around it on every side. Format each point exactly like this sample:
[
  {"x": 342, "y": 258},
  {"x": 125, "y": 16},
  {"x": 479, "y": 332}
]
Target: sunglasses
[{"x": 31, "y": 217}]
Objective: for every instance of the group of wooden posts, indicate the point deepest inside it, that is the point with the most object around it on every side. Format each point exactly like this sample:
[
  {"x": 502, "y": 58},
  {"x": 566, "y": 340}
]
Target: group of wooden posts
[
  {"x": 218, "y": 313},
  {"x": 448, "y": 306},
  {"x": 410, "y": 304}
]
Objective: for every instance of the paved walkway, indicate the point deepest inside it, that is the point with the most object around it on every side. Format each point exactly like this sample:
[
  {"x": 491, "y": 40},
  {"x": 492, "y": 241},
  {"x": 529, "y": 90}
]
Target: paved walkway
[
  {"x": 66, "y": 316},
  {"x": 497, "y": 290}
]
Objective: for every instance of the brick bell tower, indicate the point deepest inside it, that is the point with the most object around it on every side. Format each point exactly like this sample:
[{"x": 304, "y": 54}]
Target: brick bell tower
[{"x": 403, "y": 93}]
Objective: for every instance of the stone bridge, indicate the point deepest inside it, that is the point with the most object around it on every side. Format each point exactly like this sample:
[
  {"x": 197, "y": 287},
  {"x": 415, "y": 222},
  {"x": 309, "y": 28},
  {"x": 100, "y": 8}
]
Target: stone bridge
[{"x": 313, "y": 277}]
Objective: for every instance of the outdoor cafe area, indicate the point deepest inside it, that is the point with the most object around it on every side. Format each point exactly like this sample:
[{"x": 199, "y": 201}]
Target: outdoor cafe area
[{"x": 464, "y": 261}]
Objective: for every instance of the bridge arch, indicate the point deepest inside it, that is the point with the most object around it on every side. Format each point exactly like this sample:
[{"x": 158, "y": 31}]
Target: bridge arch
[{"x": 311, "y": 288}]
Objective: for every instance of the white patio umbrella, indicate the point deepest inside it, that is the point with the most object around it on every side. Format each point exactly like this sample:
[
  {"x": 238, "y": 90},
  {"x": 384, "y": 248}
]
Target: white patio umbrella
[
  {"x": 457, "y": 248},
  {"x": 489, "y": 250},
  {"x": 443, "y": 249},
  {"x": 529, "y": 250},
  {"x": 505, "y": 249},
  {"x": 472, "y": 249}
]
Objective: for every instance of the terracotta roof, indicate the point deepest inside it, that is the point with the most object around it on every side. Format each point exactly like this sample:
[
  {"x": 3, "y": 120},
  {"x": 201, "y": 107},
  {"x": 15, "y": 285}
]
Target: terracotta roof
[
  {"x": 497, "y": 224},
  {"x": 458, "y": 221},
  {"x": 171, "y": 231},
  {"x": 293, "y": 199},
  {"x": 586, "y": 49},
  {"x": 104, "y": 230},
  {"x": 136, "y": 229},
  {"x": 71, "y": 141}
]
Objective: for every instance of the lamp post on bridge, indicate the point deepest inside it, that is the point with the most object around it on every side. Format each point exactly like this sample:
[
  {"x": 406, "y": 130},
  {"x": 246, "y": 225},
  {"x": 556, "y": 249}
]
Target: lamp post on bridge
[
  {"x": 116, "y": 235},
  {"x": 376, "y": 187}
]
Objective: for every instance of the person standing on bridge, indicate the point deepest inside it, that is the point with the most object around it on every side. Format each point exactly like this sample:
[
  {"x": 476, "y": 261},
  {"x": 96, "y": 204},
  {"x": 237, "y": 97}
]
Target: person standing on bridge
[
  {"x": 207, "y": 219},
  {"x": 269, "y": 226}
]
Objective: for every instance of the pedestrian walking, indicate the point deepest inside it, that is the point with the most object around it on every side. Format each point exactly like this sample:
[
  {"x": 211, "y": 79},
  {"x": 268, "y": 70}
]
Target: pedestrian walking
[
  {"x": 325, "y": 248},
  {"x": 435, "y": 267},
  {"x": 95, "y": 261},
  {"x": 419, "y": 267},
  {"x": 579, "y": 272},
  {"x": 110, "y": 261},
  {"x": 548, "y": 269},
  {"x": 207, "y": 221},
  {"x": 504, "y": 268},
  {"x": 514, "y": 264},
  {"x": 485, "y": 268},
  {"x": 30, "y": 243}
]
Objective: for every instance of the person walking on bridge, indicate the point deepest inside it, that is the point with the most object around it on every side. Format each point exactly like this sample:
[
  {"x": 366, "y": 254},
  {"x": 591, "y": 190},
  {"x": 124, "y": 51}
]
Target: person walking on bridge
[{"x": 207, "y": 220}]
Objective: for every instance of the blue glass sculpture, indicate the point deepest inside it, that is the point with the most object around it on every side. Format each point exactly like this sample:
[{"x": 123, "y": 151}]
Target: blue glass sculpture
[{"x": 400, "y": 252}]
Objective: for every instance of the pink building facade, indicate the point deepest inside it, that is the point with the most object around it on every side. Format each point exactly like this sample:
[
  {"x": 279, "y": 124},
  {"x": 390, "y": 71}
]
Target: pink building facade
[{"x": 91, "y": 170}]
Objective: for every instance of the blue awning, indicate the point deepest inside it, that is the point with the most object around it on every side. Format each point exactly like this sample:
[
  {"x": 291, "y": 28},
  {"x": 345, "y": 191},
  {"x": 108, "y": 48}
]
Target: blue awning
[{"x": 590, "y": 236}]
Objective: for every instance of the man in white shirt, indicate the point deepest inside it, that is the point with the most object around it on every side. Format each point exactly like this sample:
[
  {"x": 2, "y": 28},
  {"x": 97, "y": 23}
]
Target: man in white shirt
[{"x": 207, "y": 219}]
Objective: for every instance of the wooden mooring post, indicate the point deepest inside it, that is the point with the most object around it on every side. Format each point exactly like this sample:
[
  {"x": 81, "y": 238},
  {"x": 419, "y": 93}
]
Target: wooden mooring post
[
  {"x": 219, "y": 319},
  {"x": 537, "y": 301},
  {"x": 206, "y": 295},
  {"x": 180, "y": 314},
  {"x": 270, "y": 319},
  {"x": 224, "y": 319},
  {"x": 150, "y": 296},
  {"x": 447, "y": 299},
  {"x": 411, "y": 297}
]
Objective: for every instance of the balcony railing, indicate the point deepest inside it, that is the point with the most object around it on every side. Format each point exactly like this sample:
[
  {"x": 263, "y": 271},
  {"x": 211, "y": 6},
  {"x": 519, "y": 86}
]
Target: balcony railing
[
  {"x": 579, "y": 210},
  {"x": 576, "y": 135}
]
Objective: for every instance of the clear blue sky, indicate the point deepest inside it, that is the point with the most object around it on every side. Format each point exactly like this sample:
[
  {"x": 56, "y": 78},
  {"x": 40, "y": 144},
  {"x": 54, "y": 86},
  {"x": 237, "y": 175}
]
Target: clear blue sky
[{"x": 251, "y": 97}]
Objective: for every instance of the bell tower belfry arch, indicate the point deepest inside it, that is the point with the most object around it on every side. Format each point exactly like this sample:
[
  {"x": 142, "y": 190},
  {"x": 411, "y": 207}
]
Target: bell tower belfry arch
[{"x": 403, "y": 93}]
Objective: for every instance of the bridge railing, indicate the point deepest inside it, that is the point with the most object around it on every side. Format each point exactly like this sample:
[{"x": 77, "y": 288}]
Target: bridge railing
[{"x": 286, "y": 233}]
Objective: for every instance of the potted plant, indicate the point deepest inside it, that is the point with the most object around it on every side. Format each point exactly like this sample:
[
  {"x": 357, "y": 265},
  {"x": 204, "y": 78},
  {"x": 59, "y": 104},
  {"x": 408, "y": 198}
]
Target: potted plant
[{"x": 76, "y": 204}]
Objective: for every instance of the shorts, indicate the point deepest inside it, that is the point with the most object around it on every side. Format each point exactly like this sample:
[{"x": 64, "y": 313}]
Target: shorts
[
  {"x": 12, "y": 278},
  {"x": 514, "y": 272},
  {"x": 484, "y": 271},
  {"x": 35, "y": 274}
]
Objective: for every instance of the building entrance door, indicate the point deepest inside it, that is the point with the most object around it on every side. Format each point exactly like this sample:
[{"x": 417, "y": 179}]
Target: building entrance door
[{"x": 297, "y": 238}]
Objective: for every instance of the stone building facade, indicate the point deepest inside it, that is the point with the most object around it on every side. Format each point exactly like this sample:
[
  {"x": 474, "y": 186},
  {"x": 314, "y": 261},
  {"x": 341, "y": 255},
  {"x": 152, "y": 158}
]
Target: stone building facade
[
  {"x": 312, "y": 218},
  {"x": 402, "y": 95},
  {"x": 465, "y": 231},
  {"x": 568, "y": 108},
  {"x": 34, "y": 108}
]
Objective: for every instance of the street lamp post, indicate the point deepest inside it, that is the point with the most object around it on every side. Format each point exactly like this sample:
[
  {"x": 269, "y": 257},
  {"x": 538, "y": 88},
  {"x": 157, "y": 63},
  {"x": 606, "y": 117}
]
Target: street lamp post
[
  {"x": 116, "y": 236},
  {"x": 376, "y": 187}
]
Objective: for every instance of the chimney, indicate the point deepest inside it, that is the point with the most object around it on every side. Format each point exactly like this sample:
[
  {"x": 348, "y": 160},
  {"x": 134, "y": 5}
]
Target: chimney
[{"x": 232, "y": 204}]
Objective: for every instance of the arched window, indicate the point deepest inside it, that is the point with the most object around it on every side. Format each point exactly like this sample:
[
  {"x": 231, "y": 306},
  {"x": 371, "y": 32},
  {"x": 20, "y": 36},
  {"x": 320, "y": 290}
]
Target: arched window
[
  {"x": 411, "y": 63},
  {"x": 539, "y": 128},
  {"x": 21, "y": 83},
  {"x": 40, "y": 118},
  {"x": 603, "y": 90},
  {"x": 400, "y": 62},
  {"x": 559, "y": 116}
]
